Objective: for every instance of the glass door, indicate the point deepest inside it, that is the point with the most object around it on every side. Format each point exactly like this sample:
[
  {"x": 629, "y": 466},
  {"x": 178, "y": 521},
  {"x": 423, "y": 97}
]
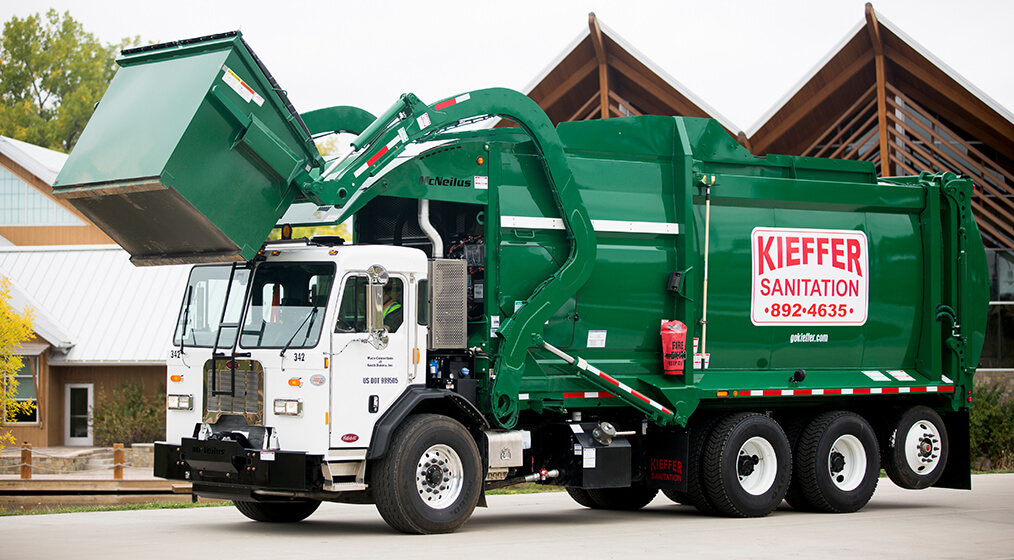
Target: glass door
[{"x": 78, "y": 399}]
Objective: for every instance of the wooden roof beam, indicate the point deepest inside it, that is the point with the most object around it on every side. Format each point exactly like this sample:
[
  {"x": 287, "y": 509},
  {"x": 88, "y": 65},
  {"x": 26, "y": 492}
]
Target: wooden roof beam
[
  {"x": 679, "y": 106},
  {"x": 762, "y": 144},
  {"x": 580, "y": 113},
  {"x": 567, "y": 85},
  {"x": 873, "y": 26},
  {"x": 621, "y": 102},
  {"x": 603, "y": 61}
]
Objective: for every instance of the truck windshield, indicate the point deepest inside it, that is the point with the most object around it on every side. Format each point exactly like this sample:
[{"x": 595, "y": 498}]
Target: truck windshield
[
  {"x": 204, "y": 306},
  {"x": 283, "y": 296}
]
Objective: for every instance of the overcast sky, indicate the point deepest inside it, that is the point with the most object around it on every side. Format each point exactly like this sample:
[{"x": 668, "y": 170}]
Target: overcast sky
[{"x": 741, "y": 57}]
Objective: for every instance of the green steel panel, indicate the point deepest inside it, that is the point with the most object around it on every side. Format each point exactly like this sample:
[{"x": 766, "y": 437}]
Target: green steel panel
[{"x": 192, "y": 155}]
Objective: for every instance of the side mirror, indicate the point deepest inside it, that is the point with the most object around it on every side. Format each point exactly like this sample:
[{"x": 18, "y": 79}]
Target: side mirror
[{"x": 378, "y": 278}]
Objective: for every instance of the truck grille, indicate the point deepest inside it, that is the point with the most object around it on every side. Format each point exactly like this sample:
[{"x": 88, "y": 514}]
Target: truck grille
[{"x": 246, "y": 397}]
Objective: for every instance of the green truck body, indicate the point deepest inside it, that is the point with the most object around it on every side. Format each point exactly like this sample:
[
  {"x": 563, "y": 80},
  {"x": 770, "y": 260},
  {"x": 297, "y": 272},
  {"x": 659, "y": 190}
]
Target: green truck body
[{"x": 831, "y": 317}]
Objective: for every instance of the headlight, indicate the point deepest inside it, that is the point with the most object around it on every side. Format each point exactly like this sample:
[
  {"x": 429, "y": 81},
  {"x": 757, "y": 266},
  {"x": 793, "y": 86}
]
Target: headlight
[
  {"x": 288, "y": 407},
  {"x": 180, "y": 402}
]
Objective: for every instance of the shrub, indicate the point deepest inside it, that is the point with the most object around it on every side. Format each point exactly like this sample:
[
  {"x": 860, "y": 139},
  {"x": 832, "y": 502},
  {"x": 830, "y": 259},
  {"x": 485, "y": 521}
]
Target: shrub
[
  {"x": 130, "y": 416},
  {"x": 992, "y": 428}
]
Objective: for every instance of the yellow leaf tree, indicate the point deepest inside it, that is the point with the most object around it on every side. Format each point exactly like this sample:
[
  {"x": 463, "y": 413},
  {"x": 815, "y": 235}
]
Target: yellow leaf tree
[{"x": 14, "y": 329}]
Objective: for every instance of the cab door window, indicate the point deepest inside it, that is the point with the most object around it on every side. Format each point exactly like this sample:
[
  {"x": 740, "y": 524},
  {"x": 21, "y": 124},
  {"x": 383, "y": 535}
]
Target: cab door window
[{"x": 352, "y": 311}]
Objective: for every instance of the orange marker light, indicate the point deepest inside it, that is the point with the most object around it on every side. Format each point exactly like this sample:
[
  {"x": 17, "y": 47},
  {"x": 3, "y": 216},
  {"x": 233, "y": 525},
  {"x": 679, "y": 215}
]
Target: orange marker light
[
  {"x": 295, "y": 382},
  {"x": 325, "y": 362},
  {"x": 175, "y": 378},
  {"x": 723, "y": 393},
  {"x": 479, "y": 160},
  {"x": 415, "y": 356}
]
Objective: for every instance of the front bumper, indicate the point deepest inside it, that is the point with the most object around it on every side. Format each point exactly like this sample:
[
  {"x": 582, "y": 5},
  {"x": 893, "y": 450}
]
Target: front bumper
[{"x": 226, "y": 469}]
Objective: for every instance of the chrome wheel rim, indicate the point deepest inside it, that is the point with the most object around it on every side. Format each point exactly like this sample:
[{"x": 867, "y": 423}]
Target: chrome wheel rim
[{"x": 439, "y": 476}]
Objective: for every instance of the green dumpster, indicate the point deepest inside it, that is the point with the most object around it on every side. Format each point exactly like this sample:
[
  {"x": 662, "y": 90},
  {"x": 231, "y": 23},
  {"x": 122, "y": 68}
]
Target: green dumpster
[{"x": 198, "y": 136}]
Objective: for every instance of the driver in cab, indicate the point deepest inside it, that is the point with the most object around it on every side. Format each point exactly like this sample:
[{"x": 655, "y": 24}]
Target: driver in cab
[{"x": 392, "y": 306}]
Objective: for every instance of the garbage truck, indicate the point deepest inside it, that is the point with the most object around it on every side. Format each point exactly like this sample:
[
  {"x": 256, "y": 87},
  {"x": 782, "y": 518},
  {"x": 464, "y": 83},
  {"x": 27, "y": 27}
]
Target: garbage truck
[{"x": 615, "y": 307}]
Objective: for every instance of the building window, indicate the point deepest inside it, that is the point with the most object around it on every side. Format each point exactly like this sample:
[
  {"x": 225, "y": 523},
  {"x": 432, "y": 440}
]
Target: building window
[
  {"x": 998, "y": 349},
  {"x": 22, "y": 205},
  {"x": 27, "y": 378}
]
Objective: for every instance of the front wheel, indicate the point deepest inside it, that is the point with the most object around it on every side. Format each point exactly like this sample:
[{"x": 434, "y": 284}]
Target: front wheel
[
  {"x": 915, "y": 450},
  {"x": 277, "y": 512},
  {"x": 746, "y": 465},
  {"x": 429, "y": 481},
  {"x": 837, "y": 463}
]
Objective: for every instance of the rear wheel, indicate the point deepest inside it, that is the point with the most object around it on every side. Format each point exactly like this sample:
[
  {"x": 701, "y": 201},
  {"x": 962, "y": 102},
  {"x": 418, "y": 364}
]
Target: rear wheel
[
  {"x": 915, "y": 449},
  {"x": 628, "y": 499},
  {"x": 580, "y": 495},
  {"x": 277, "y": 512},
  {"x": 429, "y": 479},
  {"x": 746, "y": 465},
  {"x": 793, "y": 429},
  {"x": 837, "y": 463},
  {"x": 694, "y": 494}
]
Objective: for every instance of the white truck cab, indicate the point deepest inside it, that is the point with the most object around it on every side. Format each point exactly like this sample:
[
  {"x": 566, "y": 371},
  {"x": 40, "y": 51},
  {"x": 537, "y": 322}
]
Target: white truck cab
[{"x": 285, "y": 343}]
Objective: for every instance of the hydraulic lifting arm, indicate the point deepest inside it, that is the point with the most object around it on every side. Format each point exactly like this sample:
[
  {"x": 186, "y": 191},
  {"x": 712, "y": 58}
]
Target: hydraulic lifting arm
[{"x": 410, "y": 120}]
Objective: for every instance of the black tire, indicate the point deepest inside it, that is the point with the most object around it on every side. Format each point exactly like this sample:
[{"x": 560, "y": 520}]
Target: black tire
[
  {"x": 837, "y": 463},
  {"x": 916, "y": 448},
  {"x": 747, "y": 465},
  {"x": 793, "y": 429},
  {"x": 676, "y": 496},
  {"x": 694, "y": 494},
  {"x": 430, "y": 479},
  {"x": 623, "y": 499},
  {"x": 580, "y": 495},
  {"x": 277, "y": 512}
]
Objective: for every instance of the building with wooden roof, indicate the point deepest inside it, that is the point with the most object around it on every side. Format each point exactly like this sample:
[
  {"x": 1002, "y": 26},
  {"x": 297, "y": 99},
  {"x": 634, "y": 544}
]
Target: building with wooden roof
[
  {"x": 600, "y": 75},
  {"x": 99, "y": 320},
  {"x": 882, "y": 97}
]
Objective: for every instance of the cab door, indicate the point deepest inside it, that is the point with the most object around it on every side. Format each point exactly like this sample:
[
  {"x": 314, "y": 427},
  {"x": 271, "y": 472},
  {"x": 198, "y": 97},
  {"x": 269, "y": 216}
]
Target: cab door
[{"x": 367, "y": 379}]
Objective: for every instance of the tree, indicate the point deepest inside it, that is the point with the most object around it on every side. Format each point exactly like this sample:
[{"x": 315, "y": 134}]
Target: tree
[
  {"x": 14, "y": 329},
  {"x": 52, "y": 73},
  {"x": 327, "y": 146}
]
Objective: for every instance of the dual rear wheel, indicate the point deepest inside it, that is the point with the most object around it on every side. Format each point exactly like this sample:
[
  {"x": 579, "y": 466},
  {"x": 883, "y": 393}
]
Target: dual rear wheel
[{"x": 743, "y": 465}]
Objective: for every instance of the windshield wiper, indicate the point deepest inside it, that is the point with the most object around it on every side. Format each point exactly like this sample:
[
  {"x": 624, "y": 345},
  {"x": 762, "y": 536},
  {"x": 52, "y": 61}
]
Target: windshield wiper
[
  {"x": 309, "y": 317},
  {"x": 186, "y": 319}
]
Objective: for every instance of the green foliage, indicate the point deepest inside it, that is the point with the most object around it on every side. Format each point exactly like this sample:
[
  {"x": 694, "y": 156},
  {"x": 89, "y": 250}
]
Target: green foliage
[
  {"x": 131, "y": 416},
  {"x": 52, "y": 73},
  {"x": 15, "y": 328},
  {"x": 992, "y": 428}
]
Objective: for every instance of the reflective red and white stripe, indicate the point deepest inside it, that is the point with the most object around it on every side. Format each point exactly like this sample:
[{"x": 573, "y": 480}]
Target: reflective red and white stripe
[
  {"x": 589, "y": 395},
  {"x": 581, "y": 364},
  {"x": 394, "y": 142},
  {"x": 855, "y": 391},
  {"x": 454, "y": 101}
]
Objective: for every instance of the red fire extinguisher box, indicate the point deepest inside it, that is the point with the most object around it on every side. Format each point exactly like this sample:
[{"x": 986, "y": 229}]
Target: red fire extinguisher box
[{"x": 674, "y": 347}]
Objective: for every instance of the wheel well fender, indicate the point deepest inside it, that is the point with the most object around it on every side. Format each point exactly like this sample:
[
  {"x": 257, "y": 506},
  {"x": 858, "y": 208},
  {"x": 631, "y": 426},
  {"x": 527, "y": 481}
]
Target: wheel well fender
[{"x": 419, "y": 400}]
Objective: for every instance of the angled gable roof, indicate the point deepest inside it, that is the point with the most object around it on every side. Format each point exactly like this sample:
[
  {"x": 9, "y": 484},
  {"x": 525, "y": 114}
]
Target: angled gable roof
[
  {"x": 600, "y": 75},
  {"x": 45, "y": 324},
  {"x": 882, "y": 97},
  {"x": 102, "y": 309}
]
